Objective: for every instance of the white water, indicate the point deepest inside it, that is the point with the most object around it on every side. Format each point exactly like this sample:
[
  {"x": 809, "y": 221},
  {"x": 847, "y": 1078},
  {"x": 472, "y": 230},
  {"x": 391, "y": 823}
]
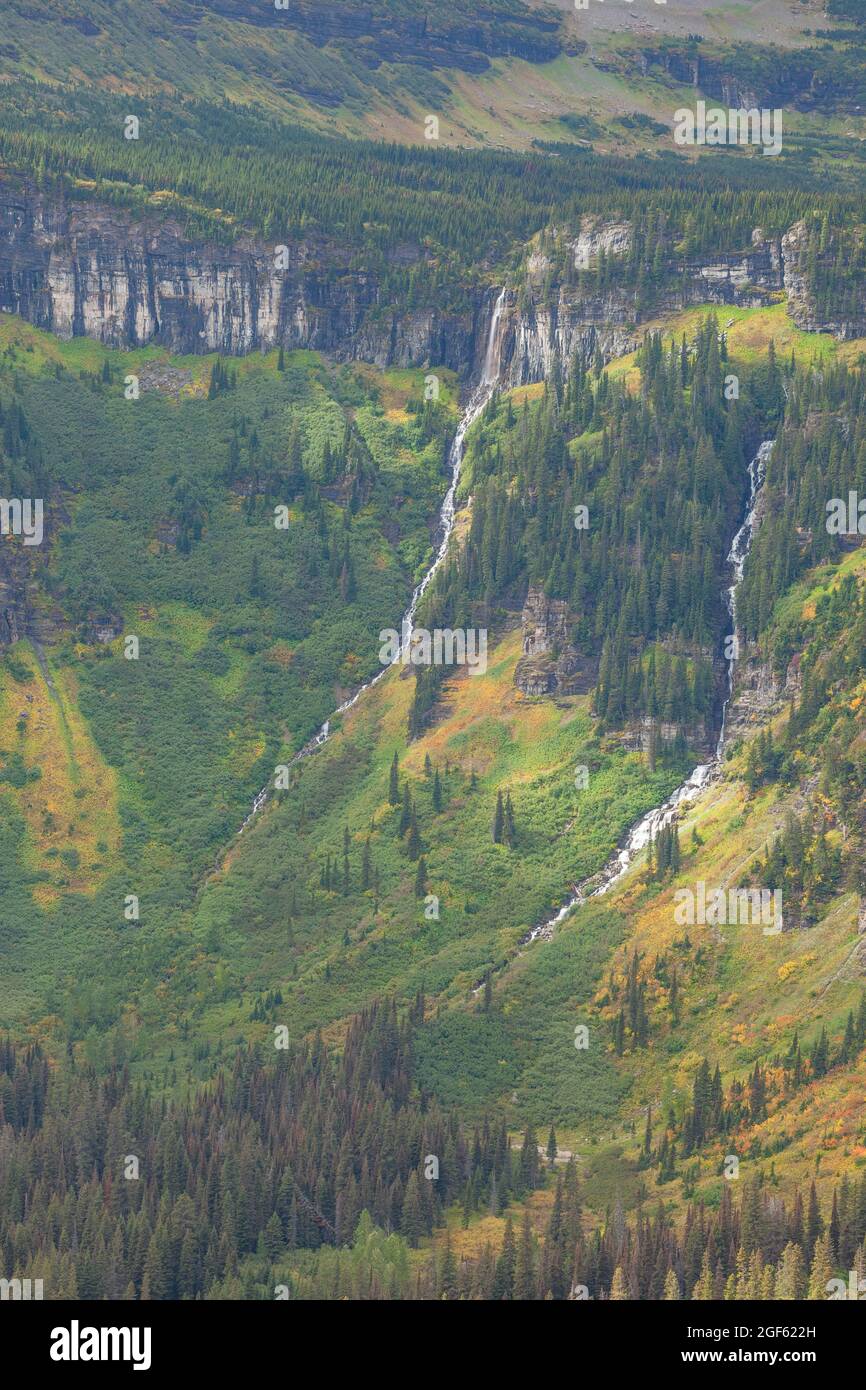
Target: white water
[
  {"x": 648, "y": 827},
  {"x": 479, "y": 399}
]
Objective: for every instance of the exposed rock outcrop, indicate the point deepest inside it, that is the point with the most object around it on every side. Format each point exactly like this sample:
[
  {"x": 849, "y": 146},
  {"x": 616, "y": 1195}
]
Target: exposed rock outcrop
[
  {"x": 25, "y": 609},
  {"x": 78, "y": 268},
  {"x": 13, "y": 594},
  {"x": 758, "y": 692},
  {"x": 550, "y": 319},
  {"x": 550, "y": 663},
  {"x": 805, "y": 79},
  {"x": 801, "y": 303}
]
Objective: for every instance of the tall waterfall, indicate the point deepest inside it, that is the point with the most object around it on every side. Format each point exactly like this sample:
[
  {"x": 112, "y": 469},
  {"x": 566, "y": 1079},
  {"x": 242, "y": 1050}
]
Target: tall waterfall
[
  {"x": 477, "y": 402},
  {"x": 650, "y": 824}
]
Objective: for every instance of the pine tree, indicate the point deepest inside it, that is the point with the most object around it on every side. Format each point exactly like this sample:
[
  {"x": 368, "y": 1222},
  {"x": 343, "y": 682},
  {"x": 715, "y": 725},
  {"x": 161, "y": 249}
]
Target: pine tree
[
  {"x": 820, "y": 1272},
  {"x": 524, "y": 1265},
  {"x": 551, "y": 1147},
  {"x": 437, "y": 792},
  {"x": 421, "y": 878},
  {"x": 503, "y": 1284},
  {"x": 394, "y": 782},
  {"x": 618, "y": 1288},
  {"x": 487, "y": 1000},
  {"x": 791, "y": 1277},
  {"x": 529, "y": 1159},
  {"x": 447, "y": 1281},
  {"x": 406, "y": 811},
  {"x": 498, "y": 820},
  {"x": 413, "y": 840},
  {"x": 509, "y": 833},
  {"x": 411, "y": 1224}
]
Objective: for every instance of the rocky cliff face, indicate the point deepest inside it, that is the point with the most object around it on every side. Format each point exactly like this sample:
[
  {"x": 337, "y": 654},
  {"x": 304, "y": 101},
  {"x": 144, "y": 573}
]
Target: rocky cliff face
[
  {"x": 25, "y": 610},
  {"x": 562, "y": 321},
  {"x": 14, "y": 570},
  {"x": 758, "y": 692},
  {"x": 807, "y": 79},
  {"x": 83, "y": 269},
  {"x": 550, "y": 320},
  {"x": 844, "y": 324},
  {"x": 79, "y": 268},
  {"x": 550, "y": 663}
]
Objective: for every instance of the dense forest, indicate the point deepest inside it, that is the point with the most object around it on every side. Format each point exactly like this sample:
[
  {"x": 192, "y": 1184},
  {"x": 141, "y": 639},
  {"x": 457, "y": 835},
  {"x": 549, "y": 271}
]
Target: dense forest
[
  {"x": 222, "y": 169},
  {"x": 624, "y": 506},
  {"x": 333, "y": 1051},
  {"x": 820, "y": 455},
  {"x": 313, "y": 1176}
]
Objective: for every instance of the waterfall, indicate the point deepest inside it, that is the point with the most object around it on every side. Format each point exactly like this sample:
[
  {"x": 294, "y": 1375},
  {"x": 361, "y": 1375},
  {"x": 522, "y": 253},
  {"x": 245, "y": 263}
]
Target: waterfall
[
  {"x": 480, "y": 396},
  {"x": 491, "y": 368},
  {"x": 649, "y": 825},
  {"x": 740, "y": 546}
]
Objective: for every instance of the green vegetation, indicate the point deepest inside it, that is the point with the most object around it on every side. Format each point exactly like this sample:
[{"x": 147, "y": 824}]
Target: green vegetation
[
  {"x": 246, "y": 626},
  {"x": 331, "y": 1035}
]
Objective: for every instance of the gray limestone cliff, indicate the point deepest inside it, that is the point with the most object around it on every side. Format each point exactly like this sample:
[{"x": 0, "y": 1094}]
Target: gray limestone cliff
[
  {"x": 78, "y": 267},
  {"x": 548, "y": 319},
  {"x": 84, "y": 269}
]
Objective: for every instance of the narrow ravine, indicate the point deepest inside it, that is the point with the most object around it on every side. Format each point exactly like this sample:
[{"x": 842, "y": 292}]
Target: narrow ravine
[{"x": 480, "y": 396}]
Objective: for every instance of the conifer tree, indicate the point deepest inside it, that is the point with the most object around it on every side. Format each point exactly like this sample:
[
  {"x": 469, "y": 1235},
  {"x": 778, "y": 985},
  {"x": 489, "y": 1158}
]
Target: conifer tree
[
  {"x": 394, "y": 782},
  {"x": 509, "y": 834},
  {"x": 413, "y": 840},
  {"x": 406, "y": 811},
  {"x": 498, "y": 820},
  {"x": 551, "y": 1147},
  {"x": 421, "y": 878}
]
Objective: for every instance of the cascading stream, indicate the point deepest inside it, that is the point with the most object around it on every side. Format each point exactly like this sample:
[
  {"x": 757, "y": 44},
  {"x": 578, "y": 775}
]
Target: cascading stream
[
  {"x": 649, "y": 825},
  {"x": 480, "y": 397}
]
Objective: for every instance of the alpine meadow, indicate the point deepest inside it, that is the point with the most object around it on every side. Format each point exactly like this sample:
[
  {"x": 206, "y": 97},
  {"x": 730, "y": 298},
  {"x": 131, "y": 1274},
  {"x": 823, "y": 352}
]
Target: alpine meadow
[{"x": 433, "y": 667}]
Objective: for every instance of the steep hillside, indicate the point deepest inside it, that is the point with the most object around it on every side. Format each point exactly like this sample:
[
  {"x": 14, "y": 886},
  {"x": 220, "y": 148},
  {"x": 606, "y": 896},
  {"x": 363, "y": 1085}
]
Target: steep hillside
[
  {"x": 500, "y": 74},
  {"x": 433, "y": 652},
  {"x": 450, "y": 813},
  {"x": 185, "y": 624}
]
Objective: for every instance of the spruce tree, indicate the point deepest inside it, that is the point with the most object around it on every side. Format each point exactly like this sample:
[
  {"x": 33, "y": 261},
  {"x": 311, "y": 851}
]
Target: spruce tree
[
  {"x": 394, "y": 782},
  {"x": 421, "y": 878},
  {"x": 498, "y": 820},
  {"x": 509, "y": 834}
]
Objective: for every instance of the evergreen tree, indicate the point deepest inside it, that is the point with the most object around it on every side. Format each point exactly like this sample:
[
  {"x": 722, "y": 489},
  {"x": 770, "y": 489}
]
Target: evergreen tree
[
  {"x": 394, "y": 782},
  {"x": 498, "y": 820}
]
